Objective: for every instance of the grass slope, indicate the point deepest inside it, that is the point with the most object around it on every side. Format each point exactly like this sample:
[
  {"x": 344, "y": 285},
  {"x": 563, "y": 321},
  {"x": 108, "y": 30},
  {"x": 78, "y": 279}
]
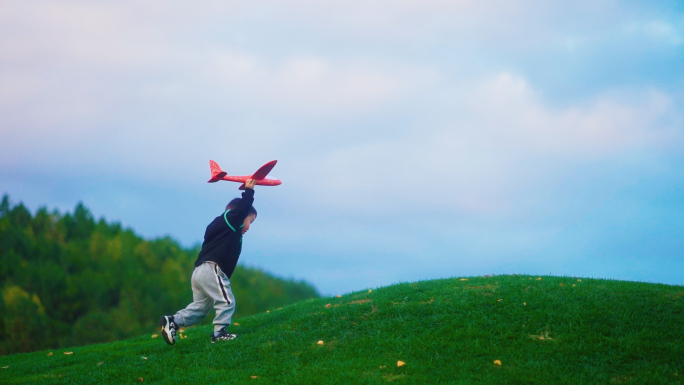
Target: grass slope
[{"x": 544, "y": 330}]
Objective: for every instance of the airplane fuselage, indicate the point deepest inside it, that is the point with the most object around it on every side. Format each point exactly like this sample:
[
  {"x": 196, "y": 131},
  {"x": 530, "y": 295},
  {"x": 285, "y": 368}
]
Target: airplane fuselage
[{"x": 243, "y": 179}]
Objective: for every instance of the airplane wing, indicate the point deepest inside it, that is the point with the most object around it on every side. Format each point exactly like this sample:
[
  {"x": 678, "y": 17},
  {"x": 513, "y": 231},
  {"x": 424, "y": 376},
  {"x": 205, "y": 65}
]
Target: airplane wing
[{"x": 264, "y": 170}]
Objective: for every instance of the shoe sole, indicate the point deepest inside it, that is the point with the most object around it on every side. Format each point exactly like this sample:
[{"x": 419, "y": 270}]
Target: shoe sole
[
  {"x": 213, "y": 341},
  {"x": 164, "y": 323}
]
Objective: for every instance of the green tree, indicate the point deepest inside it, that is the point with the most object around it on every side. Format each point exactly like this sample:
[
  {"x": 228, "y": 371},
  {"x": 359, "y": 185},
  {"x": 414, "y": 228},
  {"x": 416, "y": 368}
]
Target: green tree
[
  {"x": 4, "y": 206},
  {"x": 24, "y": 320}
]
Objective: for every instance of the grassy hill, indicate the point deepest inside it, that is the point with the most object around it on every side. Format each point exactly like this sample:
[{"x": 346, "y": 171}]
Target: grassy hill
[{"x": 500, "y": 329}]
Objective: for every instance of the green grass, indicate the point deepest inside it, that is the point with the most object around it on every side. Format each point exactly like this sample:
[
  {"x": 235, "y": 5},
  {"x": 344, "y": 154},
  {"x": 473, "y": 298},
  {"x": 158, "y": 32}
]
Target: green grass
[{"x": 548, "y": 330}]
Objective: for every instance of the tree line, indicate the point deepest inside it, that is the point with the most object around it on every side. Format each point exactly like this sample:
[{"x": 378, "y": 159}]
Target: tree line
[{"x": 68, "y": 279}]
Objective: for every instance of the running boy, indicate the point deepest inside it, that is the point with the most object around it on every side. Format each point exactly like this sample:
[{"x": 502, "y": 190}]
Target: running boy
[{"x": 213, "y": 269}]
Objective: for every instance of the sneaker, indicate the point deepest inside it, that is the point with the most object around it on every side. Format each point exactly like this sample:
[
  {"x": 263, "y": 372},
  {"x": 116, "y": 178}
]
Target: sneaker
[
  {"x": 168, "y": 329},
  {"x": 222, "y": 336}
]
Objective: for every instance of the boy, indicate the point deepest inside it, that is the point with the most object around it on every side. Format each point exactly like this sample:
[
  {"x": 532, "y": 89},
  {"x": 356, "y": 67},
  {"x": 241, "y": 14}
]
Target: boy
[{"x": 214, "y": 266}]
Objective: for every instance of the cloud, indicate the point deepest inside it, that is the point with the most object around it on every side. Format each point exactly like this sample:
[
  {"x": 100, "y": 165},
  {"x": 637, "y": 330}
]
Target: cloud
[
  {"x": 464, "y": 21},
  {"x": 164, "y": 86},
  {"x": 508, "y": 104},
  {"x": 47, "y": 35},
  {"x": 658, "y": 30},
  {"x": 496, "y": 140},
  {"x": 307, "y": 85}
]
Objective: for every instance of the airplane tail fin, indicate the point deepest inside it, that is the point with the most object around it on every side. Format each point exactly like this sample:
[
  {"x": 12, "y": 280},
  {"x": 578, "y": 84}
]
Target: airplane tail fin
[{"x": 216, "y": 172}]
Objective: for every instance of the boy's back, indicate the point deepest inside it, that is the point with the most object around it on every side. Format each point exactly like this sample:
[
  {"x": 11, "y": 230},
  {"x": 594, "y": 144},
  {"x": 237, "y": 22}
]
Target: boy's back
[{"x": 223, "y": 237}]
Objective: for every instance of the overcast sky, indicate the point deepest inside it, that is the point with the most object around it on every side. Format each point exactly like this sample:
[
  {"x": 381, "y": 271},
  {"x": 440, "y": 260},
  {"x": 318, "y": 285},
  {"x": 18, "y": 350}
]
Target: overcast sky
[{"x": 415, "y": 139}]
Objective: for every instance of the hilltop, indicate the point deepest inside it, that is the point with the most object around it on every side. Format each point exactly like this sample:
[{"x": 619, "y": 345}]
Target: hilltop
[{"x": 500, "y": 329}]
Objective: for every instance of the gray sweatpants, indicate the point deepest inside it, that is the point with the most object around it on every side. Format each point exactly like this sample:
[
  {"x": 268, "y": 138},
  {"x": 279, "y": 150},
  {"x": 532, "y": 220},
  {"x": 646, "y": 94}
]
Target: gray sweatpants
[{"x": 209, "y": 286}]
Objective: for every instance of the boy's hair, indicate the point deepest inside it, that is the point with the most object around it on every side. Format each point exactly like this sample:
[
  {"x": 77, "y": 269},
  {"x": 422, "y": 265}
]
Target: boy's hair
[{"x": 234, "y": 202}]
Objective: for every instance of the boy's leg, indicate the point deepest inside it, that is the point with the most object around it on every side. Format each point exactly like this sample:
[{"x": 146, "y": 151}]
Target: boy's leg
[
  {"x": 200, "y": 306},
  {"x": 217, "y": 286}
]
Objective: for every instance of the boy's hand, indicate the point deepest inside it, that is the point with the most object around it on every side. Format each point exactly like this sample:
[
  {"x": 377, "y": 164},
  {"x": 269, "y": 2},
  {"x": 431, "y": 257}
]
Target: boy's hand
[{"x": 250, "y": 183}]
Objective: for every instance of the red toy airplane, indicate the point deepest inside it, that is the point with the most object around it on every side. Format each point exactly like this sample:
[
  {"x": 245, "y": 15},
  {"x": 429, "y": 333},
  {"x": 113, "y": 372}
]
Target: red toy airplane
[{"x": 259, "y": 176}]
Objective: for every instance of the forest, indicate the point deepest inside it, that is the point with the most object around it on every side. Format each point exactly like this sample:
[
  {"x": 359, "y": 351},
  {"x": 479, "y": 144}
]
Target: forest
[{"x": 68, "y": 279}]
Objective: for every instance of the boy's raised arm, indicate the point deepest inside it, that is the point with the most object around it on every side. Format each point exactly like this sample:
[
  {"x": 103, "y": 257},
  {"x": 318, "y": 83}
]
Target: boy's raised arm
[{"x": 241, "y": 209}]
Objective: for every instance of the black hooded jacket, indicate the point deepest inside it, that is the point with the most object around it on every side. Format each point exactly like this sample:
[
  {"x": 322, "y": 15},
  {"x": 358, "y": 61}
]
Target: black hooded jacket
[{"x": 223, "y": 238}]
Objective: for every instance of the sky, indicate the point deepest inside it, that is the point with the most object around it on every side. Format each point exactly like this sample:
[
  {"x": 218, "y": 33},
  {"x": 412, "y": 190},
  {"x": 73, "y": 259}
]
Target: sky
[{"x": 415, "y": 139}]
